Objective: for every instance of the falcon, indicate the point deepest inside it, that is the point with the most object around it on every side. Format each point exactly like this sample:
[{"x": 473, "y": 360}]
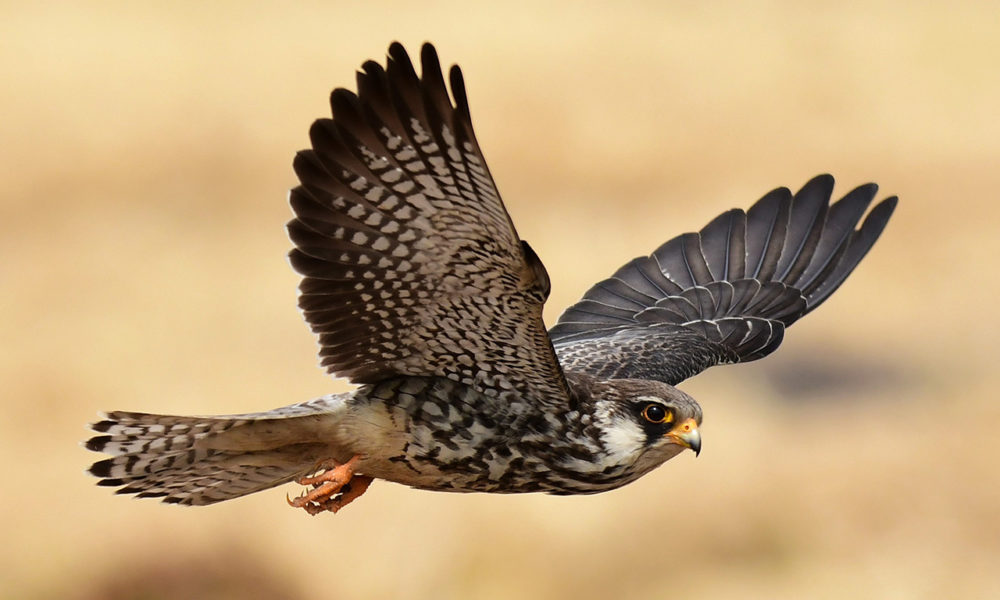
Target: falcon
[{"x": 423, "y": 295}]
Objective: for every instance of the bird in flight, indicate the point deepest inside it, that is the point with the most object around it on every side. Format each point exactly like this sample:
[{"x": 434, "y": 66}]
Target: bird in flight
[{"x": 422, "y": 294}]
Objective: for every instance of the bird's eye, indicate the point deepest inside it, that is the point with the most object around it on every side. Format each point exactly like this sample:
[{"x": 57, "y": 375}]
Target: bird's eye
[{"x": 657, "y": 413}]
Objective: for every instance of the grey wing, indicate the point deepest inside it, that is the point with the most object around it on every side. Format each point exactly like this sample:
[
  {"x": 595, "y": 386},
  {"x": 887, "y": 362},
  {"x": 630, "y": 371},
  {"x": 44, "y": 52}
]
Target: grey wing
[
  {"x": 724, "y": 294},
  {"x": 411, "y": 263}
]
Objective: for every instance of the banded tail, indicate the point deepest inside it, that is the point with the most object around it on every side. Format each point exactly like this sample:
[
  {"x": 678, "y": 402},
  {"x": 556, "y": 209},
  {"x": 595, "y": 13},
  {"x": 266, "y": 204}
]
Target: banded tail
[{"x": 203, "y": 460}]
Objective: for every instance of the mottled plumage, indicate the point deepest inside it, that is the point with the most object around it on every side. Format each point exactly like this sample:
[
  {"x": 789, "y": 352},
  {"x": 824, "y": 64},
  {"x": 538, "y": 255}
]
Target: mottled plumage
[{"x": 422, "y": 293}]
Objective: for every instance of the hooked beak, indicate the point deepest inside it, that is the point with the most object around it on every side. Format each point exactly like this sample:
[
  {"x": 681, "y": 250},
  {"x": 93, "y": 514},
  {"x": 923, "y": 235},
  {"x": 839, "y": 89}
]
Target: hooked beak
[{"x": 686, "y": 434}]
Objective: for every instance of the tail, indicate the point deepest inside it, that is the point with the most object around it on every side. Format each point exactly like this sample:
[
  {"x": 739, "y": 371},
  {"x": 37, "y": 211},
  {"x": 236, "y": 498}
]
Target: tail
[{"x": 203, "y": 460}]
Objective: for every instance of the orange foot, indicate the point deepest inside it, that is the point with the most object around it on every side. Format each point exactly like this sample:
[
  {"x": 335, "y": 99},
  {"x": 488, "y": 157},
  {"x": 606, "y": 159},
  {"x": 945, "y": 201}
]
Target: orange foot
[{"x": 333, "y": 489}]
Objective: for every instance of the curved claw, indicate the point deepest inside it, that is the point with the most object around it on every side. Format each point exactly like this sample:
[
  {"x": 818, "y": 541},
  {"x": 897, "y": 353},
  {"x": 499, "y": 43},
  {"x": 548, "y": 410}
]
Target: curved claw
[{"x": 334, "y": 488}]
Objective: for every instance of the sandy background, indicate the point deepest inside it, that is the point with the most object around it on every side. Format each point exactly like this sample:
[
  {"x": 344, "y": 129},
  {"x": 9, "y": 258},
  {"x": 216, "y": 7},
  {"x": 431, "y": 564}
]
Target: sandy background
[{"x": 144, "y": 160}]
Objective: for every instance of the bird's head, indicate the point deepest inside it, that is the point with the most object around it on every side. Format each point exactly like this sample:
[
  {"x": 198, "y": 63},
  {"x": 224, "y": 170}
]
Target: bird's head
[{"x": 645, "y": 423}]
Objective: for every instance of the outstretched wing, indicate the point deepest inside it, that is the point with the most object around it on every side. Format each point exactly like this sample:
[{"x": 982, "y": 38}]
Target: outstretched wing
[
  {"x": 724, "y": 294},
  {"x": 411, "y": 263}
]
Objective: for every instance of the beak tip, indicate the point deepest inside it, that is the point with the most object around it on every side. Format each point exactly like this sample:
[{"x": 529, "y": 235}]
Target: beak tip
[{"x": 686, "y": 434}]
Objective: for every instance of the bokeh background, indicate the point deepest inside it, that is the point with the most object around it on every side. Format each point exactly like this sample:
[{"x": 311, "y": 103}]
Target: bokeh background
[{"x": 145, "y": 151}]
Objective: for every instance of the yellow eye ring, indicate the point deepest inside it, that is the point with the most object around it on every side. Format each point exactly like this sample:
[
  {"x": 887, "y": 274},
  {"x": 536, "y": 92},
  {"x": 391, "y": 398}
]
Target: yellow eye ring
[{"x": 657, "y": 414}]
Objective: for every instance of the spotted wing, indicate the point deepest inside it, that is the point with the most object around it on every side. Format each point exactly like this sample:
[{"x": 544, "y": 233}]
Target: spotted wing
[
  {"x": 724, "y": 294},
  {"x": 411, "y": 263}
]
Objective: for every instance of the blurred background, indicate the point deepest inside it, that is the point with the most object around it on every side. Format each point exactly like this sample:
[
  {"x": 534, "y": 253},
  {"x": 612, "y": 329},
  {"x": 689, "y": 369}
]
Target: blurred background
[{"x": 146, "y": 152}]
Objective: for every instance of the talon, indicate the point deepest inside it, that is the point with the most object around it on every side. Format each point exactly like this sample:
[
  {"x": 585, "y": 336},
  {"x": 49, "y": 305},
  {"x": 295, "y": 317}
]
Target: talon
[{"x": 332, "y": 489}]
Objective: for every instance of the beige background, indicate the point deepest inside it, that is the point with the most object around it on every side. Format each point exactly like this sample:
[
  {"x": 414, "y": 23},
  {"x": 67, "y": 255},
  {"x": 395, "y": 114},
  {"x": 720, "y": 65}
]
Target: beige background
[{"x": 144, "y": 160}]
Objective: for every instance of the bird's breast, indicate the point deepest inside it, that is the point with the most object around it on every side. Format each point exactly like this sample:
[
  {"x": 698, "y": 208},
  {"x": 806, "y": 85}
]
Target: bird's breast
[{"x": 436, "y": 434}]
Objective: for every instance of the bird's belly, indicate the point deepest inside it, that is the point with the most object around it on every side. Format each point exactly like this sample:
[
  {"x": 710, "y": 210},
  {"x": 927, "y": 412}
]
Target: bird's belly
[
  {"x": 430, "y": 458},
  {"x": 480, "y": 470},
  {"x": 438, "y": 435}
]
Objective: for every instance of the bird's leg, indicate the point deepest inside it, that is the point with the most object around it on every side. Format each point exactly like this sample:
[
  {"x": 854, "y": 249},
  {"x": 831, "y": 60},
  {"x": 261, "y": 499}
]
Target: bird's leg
[
  {"x": 334, "y": 488},
  {"x": 327, "y": 466}
]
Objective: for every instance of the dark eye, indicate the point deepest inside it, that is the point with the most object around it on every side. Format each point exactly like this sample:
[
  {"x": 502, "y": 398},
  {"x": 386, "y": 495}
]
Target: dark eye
[{"x": 657, "y": 413}]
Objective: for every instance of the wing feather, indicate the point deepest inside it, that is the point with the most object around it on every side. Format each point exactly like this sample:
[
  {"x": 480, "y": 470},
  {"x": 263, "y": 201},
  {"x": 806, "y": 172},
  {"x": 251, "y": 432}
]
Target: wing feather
[
  {"x": 725, "y": 294},
  {"x": 411, "y": 264}
]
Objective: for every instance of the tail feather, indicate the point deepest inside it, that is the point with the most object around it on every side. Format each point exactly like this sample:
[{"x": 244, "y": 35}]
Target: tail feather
[{"x": 203, "y": 460}]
